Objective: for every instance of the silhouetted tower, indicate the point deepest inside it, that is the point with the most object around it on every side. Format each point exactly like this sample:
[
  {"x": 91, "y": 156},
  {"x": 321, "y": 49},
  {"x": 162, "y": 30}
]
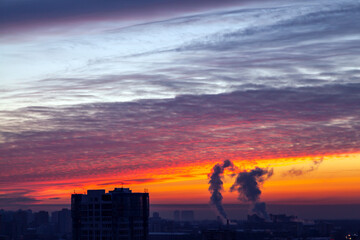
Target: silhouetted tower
[{"x": 118, "y": 214}]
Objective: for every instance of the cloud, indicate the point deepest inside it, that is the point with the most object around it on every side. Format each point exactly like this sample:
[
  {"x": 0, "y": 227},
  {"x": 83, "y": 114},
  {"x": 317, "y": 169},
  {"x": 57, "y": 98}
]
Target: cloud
[
  {"x": 105, "y": 138},
  {"x": 135, "y": 181},
  {"x": 42, "y": 12},
  {"x": 17, "y": 198},
  {"x": 273, "y": 81},
  {"x": 277, "y": 46}
]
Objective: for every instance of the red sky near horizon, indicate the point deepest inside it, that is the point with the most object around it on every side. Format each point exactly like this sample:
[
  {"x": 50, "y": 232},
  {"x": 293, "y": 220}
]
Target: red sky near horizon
[{"x": 152, "y": 96}]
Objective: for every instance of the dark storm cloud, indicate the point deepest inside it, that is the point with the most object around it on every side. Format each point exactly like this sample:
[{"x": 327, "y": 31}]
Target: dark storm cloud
[{"x": 93, "y": 139}]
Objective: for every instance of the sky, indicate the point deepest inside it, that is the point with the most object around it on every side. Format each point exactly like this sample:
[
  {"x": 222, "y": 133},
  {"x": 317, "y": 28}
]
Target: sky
[{"x": 152, "y": 94}]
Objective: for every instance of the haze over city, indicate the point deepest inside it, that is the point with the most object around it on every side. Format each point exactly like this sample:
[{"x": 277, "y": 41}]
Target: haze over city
[{"x": 153, "y": 94}]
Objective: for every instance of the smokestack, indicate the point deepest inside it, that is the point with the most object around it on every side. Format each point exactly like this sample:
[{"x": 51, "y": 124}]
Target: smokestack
[
  {"x": 216, "y": 186},
  {"x": 247, "y": 184}
]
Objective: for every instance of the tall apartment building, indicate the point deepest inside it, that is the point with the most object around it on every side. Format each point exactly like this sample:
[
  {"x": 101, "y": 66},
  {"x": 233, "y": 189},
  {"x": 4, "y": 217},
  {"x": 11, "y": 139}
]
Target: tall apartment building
[{"x": 116, "y": 215}]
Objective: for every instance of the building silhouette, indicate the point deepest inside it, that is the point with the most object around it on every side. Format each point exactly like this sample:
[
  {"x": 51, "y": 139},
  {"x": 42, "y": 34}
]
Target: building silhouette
[
  {"x": 184, "y": 216},
  {"x": 187, "y": 216},
  {"x": 61, "y": 220},
  {"x": 116, "y": 215},
  {"x": 41, "y": 218},
  {"x": 177, "y": 215}
]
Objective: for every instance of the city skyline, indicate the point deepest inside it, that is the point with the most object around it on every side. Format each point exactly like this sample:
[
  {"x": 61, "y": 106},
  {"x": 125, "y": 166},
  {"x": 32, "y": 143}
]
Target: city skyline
[{"x": 151, "y": 95}]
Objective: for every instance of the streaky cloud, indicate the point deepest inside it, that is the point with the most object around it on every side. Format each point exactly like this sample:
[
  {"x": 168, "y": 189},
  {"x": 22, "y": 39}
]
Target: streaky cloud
[{"x": 100, "y": 138}]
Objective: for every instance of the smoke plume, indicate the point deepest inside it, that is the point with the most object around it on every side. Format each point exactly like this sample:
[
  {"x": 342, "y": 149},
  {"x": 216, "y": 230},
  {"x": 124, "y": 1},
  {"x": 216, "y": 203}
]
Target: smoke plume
[
  {"x": 248, "y": 185},
  {"x": 259, "y": 209},
  {"x": 216, "y": 185},
  {"x": 298, "y": 172}
]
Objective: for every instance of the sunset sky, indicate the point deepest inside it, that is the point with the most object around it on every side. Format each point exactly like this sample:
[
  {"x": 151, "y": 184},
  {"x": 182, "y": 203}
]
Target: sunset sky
[{"x": 151, "y": 94}]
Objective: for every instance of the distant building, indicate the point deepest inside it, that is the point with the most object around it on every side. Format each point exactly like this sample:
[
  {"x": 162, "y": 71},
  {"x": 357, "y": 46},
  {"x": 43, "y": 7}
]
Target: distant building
[
  {"x": 184, "y": 216},
  {"x": 177, "y": 215},
  {"x": 64, "y": 221},
  {"x": 116, "y": 215},
  {"x": 170, "y": 236},
  {"x": 218, "y": 234},
  {"x": 55, "y": 217},
  {"x": 187, "y": 216},
  {"x": 20, "y": 223},
  {"x": 278, "y": 218},
  {"x": 41, "y": 218},
  {"x": 255, "y": 219},
  {"x": 155, "y": 223}
]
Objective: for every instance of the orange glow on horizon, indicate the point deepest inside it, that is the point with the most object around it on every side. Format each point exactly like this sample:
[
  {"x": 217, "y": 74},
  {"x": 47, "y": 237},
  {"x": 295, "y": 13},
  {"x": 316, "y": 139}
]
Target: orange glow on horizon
[{"x": 335, "y": 181}]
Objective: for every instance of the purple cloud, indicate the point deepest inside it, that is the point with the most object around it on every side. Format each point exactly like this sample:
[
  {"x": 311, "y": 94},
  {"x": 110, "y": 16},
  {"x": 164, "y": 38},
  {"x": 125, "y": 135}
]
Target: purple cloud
[{"x": 94, "y": 139}]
